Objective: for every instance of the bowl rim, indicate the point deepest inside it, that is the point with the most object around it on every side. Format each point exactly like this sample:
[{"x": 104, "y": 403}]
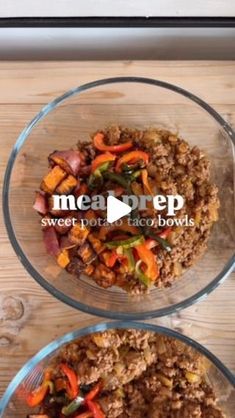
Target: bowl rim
[
  {"x": 200, "y": 295},
  {"x": 100, "y": 327}
]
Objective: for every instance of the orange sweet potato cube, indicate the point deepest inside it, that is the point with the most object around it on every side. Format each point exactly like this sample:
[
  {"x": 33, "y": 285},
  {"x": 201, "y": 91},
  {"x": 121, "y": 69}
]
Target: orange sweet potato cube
[
  {"x": 53, "y": 179},
  {"x": 67, "y": 185}
]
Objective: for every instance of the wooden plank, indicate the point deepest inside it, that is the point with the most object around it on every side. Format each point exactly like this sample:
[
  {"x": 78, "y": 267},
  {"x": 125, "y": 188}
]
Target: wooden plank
[
  {"x": 23, "y": 82},
  {"x": 29, "y": 316}
]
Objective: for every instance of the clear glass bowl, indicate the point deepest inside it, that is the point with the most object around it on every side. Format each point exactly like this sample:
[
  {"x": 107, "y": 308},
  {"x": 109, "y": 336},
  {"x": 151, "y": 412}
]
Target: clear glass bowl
[
  {"x": 133, "y": 102},
  {"x": 13, "y": 403}
]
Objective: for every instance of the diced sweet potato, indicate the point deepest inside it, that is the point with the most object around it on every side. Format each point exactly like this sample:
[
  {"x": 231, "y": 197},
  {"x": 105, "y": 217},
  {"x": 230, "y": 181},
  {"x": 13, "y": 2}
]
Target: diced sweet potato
[
  {"x": 53, "y": 179},
  {"x": 78, "y": 234},
  {"x": 65, "y": 243},
  {"x": 67, "y": 185},
  {"x": 104, "y": 276},
  {"x": 63, "y": 259},
  {"x": 64, "y": 225},
  {"x": 76, "y": 266},
  {"x": 89, "y": 270},
  {"x": 86, "y": 253},
  {"x": 90, "y": 215},
  {"x": 96, "y": 244}
]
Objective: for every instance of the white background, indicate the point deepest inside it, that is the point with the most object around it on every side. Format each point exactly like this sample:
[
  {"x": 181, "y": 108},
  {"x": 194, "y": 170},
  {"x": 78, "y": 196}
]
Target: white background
[
  {"x": 117, "y": 8},
  {"x": 113, "y": 43}
]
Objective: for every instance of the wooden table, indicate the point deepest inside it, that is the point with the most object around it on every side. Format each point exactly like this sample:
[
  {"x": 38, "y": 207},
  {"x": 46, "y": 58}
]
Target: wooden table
[{"x": 29, "y": 316}]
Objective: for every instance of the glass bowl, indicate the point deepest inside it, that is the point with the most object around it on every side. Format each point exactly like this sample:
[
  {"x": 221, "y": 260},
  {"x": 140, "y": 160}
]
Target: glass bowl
[
  {"x": 13, "y": 403},
  {"x": 133, "y": 102}
]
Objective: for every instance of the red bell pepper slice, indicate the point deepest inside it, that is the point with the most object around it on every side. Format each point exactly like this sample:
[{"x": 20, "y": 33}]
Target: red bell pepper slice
[
  {"x": 35, "y": 397},
  {"x": 144, "y": 176},
  {"x": 149, "y": 259},
  {"x": 151, "y": 243},
  {"x": 72, "y": 386},
  {"x": 164, "y": 234},
  {"x": 94, "y": 392},
  {"x": 112, "y": 259},
  {"x": 98, "y": 142},
  {"x": 95, "y": 408},
  {"x": 132, "y": 158},
  {"x": 124, "y": 227},
  {"x": 87, "y": 414},
  {"x": 101, "y": 159}
]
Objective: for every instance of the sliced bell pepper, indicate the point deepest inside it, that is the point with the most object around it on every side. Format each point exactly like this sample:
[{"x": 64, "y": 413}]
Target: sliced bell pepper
[
  {"x": 141, "y": 275},
  {"x": 35, "y": 397},
  {"x": 94, "y": 392},
  {"x": 119, "y": 179},
  {"x": 162, "y": 241},
  {"x": 130, "y": 259},
  {"x": 151, "y": 243},
  {"x": 149, "y": 259},
  {"x": 95, "y": 408},
  {"x": 164, "y": 234},
  {"x": 137, "y": 188},
  {"x": 112, "y": 259},
  {"x": 101, "y": 159},
  {"x": 73, "y": 381},
  {"x": 87, "y": 414},
  {"x": 135, "y": 175},
  {"x": 98, "y": 142},
  {"x": 128, "y": 243},
  {"x": 95, "y": 180},
  {"x": 125, "y": 227},
  {"x": 72, "y": 406},
  {"x": 132, "y": 157},
  {"x": 60, "y": 384},
  {"x": 117, "y": 236},
  {"x": 147, "y": 188}
]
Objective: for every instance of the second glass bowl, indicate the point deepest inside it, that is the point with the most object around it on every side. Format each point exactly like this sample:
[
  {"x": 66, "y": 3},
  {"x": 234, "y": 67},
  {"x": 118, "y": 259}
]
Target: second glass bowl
[{"x": 13, "y": 403}]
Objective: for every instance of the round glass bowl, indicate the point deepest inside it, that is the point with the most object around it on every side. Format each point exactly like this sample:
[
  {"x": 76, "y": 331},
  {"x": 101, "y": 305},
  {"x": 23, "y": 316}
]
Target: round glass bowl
[
  {"x": 13, "y": 403},
  {"x": 132, "y": 102}
]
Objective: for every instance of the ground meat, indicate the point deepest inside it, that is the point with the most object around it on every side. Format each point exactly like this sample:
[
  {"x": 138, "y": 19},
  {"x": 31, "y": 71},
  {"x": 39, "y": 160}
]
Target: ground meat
[
  {"x": 143, "y": 375},
  {"x": 103, "y": 276}
]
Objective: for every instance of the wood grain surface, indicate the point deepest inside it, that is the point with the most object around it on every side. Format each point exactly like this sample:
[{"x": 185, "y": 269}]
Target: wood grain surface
[{"x": 29, "y": 316}]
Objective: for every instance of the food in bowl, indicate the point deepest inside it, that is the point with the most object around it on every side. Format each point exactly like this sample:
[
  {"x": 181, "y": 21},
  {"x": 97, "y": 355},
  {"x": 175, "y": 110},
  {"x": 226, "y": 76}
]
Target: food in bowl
[
  {"x": 145, "y": 249},
  {"x": 125, "y": 373}
]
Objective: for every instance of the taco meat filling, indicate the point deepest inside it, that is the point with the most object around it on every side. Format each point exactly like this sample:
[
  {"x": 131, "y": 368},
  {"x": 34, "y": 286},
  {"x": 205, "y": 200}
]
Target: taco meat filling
[{"x": 125, "y": 374}]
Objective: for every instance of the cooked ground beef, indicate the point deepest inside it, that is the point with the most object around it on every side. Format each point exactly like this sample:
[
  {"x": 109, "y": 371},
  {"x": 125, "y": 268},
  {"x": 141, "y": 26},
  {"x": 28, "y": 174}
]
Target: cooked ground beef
[
  {"x": 143, "y": 375},
  {"x": 172, "y": 168}
]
